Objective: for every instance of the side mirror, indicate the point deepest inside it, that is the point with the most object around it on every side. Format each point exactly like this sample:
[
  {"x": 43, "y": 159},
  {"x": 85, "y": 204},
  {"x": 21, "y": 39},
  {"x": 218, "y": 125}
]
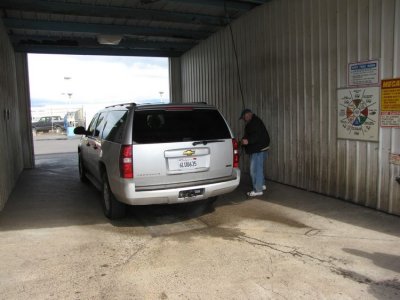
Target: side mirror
[{"x": 80, "y": 130}]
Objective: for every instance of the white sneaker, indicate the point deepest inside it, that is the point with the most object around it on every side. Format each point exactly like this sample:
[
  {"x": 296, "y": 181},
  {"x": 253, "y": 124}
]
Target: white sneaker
[
  {"x": 264, "y": 187},
  {"x": 254, "y": 194}
]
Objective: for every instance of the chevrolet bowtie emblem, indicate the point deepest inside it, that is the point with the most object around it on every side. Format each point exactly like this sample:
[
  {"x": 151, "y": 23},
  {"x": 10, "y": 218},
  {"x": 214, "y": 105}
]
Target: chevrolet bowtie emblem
[{"x": 189, "y": 152}]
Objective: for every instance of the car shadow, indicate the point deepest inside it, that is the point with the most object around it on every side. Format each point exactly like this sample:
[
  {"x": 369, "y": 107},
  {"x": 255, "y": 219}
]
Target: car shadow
[{"x": 51, "y": 195}]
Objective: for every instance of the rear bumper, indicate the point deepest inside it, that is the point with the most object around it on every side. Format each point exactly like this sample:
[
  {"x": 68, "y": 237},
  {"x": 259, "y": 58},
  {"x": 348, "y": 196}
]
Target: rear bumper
[{"x": 128, "y": 193}]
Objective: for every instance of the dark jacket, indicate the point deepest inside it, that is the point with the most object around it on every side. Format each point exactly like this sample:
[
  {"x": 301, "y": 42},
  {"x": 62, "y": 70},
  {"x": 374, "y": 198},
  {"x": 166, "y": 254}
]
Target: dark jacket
[{"x": 257, "y": 135}]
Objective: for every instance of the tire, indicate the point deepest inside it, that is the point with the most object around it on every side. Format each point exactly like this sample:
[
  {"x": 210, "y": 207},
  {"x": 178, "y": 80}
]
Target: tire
[
  {"x": 211, "y": 201},
  {"x": 58, "y": 130},
  {"x": 113, "y": 209},
  {"x": 208, "y": 206},
  {"x": 34, "y": 132},
  {"x": 82, "y": 171}
]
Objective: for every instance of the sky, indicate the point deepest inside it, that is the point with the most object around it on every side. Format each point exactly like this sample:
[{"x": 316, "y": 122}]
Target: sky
[{"x": 96, "y": 79}]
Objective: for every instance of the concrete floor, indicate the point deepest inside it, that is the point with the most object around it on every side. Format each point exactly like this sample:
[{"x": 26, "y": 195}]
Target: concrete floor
[{"x": 287, "y": 244}]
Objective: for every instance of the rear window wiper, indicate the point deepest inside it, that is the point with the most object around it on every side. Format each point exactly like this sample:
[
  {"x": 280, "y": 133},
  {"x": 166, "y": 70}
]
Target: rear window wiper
[{"x": 205, "y": 142}]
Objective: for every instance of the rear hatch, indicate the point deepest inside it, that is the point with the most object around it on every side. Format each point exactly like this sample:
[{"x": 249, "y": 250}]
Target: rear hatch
[{"x": 179, "y": 145}]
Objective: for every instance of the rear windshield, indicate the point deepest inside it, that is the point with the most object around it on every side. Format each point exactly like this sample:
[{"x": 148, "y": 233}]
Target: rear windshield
[{"x": 155, "y": 126}]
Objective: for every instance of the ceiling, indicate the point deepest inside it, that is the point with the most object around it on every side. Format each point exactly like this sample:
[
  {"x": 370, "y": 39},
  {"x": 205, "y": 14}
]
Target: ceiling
[{"x": 159, "y": 28}]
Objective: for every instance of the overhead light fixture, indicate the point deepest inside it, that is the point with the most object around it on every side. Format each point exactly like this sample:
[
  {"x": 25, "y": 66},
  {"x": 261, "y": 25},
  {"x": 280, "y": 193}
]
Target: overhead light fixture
[{"x": 109, "y": 39}]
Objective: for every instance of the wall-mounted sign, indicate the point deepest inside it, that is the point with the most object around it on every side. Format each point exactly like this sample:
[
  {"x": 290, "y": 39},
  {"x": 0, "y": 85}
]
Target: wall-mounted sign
[
  {"x": 358, "y": 113},
  {"x": 390, "y": 103},
  {"x": 363, "y": 73},
  {"x": 394, "y": 158}
]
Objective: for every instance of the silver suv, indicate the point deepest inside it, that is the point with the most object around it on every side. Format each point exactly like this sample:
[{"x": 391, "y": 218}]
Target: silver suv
[{"x": 156, "y": 154}]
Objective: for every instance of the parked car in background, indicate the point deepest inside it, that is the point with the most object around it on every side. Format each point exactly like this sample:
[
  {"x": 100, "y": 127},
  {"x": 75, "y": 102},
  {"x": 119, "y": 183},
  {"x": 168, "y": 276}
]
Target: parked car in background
[
  {"x": 158, "y": 154},
  {"x": 49, "y": 123}
]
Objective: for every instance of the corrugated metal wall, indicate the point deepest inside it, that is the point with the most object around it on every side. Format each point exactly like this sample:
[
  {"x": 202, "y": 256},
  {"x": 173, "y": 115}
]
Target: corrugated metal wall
[
  {"x": 175, "y": 79},
  {"x": 24, "y": 102},
  {"x": 14, "y": 109},
  {"x": 293, "y": 55}
]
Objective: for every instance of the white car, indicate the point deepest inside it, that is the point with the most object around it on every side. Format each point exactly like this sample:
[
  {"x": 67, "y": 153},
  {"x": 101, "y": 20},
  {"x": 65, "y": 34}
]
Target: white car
[{"x": 158, "y": 154}]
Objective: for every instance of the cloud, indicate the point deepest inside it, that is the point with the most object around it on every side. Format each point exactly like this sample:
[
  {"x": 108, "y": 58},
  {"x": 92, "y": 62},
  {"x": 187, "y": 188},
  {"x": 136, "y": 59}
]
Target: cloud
[{"x": 97, "y": 79}]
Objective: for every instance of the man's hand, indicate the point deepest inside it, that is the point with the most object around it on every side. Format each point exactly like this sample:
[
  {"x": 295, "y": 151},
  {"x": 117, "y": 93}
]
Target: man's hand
[{"x": 245, "y": 142}]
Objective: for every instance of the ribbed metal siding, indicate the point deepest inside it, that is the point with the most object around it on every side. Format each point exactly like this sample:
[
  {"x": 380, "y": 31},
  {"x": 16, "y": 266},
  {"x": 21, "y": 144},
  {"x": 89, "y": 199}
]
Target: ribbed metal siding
[
  {"x": 175, "y": 80},
  {"x": 293, "y": 56},
  {"x": 24, "y": 109},
  {"x": 16, "y": 127}
]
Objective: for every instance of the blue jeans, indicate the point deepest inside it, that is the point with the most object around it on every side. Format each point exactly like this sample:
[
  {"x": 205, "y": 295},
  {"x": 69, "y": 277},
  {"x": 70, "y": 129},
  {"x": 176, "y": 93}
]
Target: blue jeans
[{"x": 257, "y": 170}]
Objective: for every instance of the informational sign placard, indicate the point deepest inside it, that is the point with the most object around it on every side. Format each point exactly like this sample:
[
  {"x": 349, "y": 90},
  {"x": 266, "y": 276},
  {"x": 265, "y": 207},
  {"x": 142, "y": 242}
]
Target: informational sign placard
[
  {"x": 394, "y": 158},
  {"x": 358, "y": 113},
  {"x": 363, "y": 73},
  {"x": 390, "y": 103}
]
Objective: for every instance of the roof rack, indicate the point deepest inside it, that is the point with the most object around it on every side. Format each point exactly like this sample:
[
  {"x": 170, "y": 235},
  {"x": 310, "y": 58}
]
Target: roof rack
[
  {"x": 152, "y": 103},
  {"x": 122, "y": 104},
  {"x": 186, "y": 103}
]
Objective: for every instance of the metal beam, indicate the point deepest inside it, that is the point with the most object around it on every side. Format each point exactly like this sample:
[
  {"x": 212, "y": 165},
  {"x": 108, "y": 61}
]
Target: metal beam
[
  {"x": 111, "y": 11},
  {"x": 103, "y": 29},
  {"x": 259, "y": 2},
  {"x": 93, "y": 51},
  {"x": 228, "y": 4},
  {"x": 92, "y": 42}
]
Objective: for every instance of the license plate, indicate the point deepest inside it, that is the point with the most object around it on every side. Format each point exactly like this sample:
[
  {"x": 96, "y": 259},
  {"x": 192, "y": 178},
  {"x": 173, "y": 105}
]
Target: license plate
[
  {"x": 185, "y": 163},
  {"x": 191, "y": 193}
]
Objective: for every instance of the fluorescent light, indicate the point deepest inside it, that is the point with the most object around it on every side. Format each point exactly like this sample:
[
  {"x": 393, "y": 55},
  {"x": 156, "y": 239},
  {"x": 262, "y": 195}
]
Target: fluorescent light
[{"x": 109, "y": 39}]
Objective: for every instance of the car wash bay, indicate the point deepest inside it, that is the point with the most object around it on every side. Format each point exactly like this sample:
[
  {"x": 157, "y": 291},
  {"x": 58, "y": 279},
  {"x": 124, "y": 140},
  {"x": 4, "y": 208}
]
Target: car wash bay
[{"x": 292, "y": 58}]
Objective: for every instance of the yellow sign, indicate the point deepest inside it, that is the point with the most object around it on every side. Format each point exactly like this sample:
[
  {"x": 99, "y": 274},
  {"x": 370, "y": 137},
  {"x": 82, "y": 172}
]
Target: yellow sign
[
  {"x": 390, "y": 95},
  {"x": 391, "y": 83},
  {"x": 390, "y": 103}
]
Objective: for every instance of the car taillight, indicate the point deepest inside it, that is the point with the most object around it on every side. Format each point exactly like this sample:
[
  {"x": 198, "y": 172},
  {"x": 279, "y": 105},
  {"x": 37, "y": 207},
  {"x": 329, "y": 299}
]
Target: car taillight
[
  {"x": 235, "y": 153},
  {"x": 126, "y": 162}
]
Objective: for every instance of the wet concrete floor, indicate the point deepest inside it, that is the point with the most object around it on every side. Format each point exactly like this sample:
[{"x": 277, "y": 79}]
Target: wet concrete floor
[{"x": 287, "y": 244}]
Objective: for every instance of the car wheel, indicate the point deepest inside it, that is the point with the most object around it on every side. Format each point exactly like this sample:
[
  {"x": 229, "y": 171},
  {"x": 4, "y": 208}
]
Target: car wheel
[
  {"x": 113, "y": 209},
  {"x": 211, "y": 201},
  {"x": 34, "y": 132},
  {"x": 58, "y": 130},
  {"x": 208, "y": 205},
  {"x": 82, "y": 171}
]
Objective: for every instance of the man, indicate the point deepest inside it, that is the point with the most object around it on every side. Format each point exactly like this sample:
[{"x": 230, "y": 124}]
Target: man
[{"x": 256, "y": 143}]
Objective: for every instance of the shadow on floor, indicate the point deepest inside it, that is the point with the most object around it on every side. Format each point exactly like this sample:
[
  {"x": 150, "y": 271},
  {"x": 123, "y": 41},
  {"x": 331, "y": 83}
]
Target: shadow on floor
[
  {"x": 51, "y": 195},
  {"x": 331, "y": 208}
]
